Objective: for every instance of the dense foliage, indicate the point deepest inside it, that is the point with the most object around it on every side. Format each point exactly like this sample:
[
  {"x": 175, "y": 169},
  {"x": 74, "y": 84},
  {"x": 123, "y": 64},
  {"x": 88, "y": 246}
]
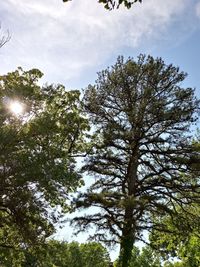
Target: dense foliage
[
  {"x": 181, "y": 238},
  {"x": 41, "y": 130},
  {"x": 58, "y": 254},
  {"x": 145, "y": 257},
  {"x": 141, "y": 157}
]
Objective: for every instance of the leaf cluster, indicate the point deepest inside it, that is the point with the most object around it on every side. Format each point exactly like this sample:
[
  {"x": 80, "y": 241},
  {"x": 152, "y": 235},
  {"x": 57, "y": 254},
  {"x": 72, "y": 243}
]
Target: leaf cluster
[{"x": 115, "y": 4}]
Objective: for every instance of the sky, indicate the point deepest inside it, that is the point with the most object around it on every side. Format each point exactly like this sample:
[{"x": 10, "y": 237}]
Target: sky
[{"x": 71, "y": 42}]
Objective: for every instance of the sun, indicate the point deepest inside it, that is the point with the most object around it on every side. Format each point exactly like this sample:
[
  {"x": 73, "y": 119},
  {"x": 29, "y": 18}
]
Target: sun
[{"x": 16, "y": 108}]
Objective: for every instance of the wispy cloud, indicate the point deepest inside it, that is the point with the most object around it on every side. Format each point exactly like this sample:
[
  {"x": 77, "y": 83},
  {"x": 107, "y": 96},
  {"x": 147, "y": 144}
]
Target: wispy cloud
[
  {"x": 65, "y": 40},
  {"x": 197, "y": 8}
]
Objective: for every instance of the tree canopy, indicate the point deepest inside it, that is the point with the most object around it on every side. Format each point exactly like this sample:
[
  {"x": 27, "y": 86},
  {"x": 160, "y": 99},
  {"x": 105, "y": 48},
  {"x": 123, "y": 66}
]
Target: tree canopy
[
  {"x": 144, "y": 258},
  {"x": 58, "y": 254},
  {"x": 179, "y": 240},
  {"x": 141, "y": 155},
  {"x": 41, "y": 132}
]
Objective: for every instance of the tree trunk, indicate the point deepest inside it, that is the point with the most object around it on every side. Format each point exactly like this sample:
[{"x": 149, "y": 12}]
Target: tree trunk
[
  {"x": 127, "y": 239},
  {"x": 128, "y": 232}
]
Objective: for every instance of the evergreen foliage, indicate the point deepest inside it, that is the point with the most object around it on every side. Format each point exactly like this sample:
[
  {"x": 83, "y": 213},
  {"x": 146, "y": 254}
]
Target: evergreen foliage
[{"x": 141, "y": 156}]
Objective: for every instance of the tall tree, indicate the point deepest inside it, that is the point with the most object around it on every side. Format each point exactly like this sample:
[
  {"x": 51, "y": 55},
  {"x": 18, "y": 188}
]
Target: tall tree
[
  {"x": 41, "y": 130},
  {"x": 141, "y": 154},
  {"x": 115, "y": 4}
]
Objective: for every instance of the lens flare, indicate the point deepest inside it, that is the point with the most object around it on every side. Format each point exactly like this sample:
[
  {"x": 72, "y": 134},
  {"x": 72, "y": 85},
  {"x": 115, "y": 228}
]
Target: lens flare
[{"x": 16, "y": 108}]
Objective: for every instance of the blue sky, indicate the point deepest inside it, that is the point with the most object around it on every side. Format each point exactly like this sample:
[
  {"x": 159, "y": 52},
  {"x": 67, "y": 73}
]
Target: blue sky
[{"x": 70, "y": 42}]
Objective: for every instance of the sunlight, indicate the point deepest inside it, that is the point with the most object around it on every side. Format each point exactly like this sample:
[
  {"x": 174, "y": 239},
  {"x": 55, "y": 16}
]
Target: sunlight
[{"x": 16, "y": 108}]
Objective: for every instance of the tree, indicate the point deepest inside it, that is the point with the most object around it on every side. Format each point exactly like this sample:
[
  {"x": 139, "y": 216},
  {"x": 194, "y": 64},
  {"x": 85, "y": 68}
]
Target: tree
[
  {"x": 141, "y": 155},
  {"x": 41, "y": 131},
  {"x": 179, "y": 240},
  {"x": 54, "y": 254},
  {"x": 61, "y": 254},
  {"x": 115, "y": 4},
  {"x": 94, "y": 254},
  {"x": 145, "y": 258},
  {"x": 188, "y": 253}
]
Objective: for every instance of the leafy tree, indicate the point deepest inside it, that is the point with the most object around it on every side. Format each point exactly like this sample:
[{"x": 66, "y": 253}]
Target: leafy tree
[
  {"x": 143, "y": 258},
  {"x": 54, "y": 254},
  {"x": 180, "y": 241},
  {"x": 41, "y": 132},
  {"x": 141, "y": 155},
  {"x": 147, "y": 258},
  {"x": 112, "y": 4},
  {"x": 190, "y": 252},
  {"x": 181, "y": 238},
  {"x": 62, "y": 254},
  {"x": 94, "y": 254}
]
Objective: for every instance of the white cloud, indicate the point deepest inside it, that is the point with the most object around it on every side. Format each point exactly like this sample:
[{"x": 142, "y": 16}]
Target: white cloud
[
  {"x": 198, "y": 9},
  {"x": 64, "y": 40}
]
